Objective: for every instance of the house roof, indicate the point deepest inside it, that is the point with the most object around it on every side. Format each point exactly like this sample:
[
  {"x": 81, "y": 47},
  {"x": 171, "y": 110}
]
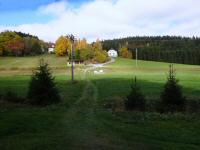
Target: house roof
[
  {"x": 112, "y": 50},
  {"x": 51, "y": 45}
]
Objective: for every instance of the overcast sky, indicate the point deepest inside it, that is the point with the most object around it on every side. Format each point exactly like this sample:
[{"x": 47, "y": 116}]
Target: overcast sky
[{"x": 102, "y": 19}]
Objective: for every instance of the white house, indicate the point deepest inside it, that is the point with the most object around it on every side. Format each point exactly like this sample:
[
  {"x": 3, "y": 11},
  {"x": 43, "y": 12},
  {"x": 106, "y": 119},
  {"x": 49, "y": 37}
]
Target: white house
[
  {"x": 112, "y": 53},
  {"x": 51, "y": 48}
]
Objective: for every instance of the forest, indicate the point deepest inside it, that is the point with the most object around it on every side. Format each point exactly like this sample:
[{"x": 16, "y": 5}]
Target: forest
[
  {"x": 173, "y": 49},
  {"x": 20, "y": 44}
]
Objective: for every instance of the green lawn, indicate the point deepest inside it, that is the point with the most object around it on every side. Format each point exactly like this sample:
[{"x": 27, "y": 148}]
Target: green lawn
[{"x": 80, "y": 123}]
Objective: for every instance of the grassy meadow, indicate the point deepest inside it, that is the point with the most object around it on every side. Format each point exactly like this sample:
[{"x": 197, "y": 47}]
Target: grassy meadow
[{"x": 80, "y": 121}]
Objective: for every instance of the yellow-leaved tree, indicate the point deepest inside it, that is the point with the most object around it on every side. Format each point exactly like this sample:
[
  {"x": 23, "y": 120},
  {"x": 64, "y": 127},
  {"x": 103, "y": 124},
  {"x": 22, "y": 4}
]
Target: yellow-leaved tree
[
  {"x": 81, "y": 44},
  {"x": 124, "y": 52},
  {"x": 81, "y": 48},
  {"x": 97, "y": 46},
  {"x": 63, "y": 46},
  {"x": 100, "y": 56}
]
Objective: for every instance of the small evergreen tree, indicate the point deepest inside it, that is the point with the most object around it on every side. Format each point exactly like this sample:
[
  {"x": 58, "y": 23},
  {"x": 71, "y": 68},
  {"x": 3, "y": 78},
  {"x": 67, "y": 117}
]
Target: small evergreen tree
[
  {"x": 135, "y": 100},
  {"x": 172, "y": 97},
  {"x": 42, "y": 89}
]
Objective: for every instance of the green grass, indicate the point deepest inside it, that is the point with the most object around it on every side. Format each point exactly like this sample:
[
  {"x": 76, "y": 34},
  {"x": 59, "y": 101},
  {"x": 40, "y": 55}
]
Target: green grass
[
  {"x": 31, "y": 61},
  {"x": 79, "y": 123}
]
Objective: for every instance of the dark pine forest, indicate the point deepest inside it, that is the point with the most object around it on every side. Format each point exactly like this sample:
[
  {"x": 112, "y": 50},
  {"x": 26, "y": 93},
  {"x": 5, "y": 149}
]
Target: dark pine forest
[{"x": 173, "y": 49}]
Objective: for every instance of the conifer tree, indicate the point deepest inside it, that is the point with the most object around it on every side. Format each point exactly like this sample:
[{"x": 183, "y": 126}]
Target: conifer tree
[
  {"x": 42, "y": 88},
  {"x": 171, "y": 97},
  {"x": 135, "y": 100}
]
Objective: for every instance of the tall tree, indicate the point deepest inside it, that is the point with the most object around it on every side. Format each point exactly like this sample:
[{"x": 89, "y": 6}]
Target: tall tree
[
  {"x": 97, "y": 46},
  {"x": 63, "y": 46}
]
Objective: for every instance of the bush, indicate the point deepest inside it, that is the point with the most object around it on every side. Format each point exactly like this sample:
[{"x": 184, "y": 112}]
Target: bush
[
  {"x": 192, "y": 106},
  {"x": 135, "y": 100},
  {"x": 42, "y": 88},
  {"x": 100, "y": 57},
  {"x": 12, "y": 97},
  {"x": 171, "y": 98},
  {"x": 116, "y": 104},
  {"x": 1, "y": 96}
]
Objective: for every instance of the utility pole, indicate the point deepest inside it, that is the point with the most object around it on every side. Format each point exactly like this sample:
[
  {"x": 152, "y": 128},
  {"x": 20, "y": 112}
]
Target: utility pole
[
  {"x": 72, "y": 39},
  {"x": 136, "y": 57}
]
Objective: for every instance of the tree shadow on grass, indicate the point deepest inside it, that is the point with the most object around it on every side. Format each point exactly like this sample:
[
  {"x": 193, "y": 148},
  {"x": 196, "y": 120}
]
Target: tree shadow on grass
[{"x": 110, "y": 87}]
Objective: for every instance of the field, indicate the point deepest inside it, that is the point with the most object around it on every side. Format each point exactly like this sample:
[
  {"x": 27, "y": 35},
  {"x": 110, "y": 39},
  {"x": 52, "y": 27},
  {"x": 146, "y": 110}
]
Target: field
[{"x": 80, "y": 121}]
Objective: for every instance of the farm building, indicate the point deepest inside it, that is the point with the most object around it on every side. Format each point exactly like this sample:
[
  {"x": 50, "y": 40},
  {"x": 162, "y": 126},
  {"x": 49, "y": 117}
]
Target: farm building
[
  {"x": 51, "y": 48},
  {"x": 112, "y": 53}
]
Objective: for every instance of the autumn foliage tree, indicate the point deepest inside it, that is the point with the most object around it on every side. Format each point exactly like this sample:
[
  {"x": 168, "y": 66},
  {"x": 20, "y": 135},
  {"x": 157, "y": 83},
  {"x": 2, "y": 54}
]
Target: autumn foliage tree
[
  {"x": 20, "y": 44},
  {"x": 86, "y": 54},
  {"x": 33, "y": 46},
  {"x": 83, "y": 50},
  {"x": 97, "y": 46},
  {"x": 124, "y": 52},
  {"x": 81, "y": 44},
  {"x": 16, "y": 46},
  {"x": 63, "y": 46},
  {"x": 100, "y": 56}
]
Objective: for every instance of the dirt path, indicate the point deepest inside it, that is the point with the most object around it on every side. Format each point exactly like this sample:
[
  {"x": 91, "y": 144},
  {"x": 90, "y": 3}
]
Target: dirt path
[
  {"x": 83, "y": 118},
  {"x": 89, "y": 96}
]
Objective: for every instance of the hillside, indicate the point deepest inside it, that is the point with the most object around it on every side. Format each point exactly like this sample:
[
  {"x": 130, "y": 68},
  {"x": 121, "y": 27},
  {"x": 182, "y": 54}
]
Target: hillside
[{"x": 176, "y": 49}]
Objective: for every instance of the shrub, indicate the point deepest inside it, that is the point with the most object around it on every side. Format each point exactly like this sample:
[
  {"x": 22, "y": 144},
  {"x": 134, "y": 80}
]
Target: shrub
[
  {"x": 12, "y": 97},
  {"x": 135, "y": 100},
  {"x": 1, "y": 96},
  {"x": 171, "y": 97},
  {"x": 100, "y": 57},
  {"x": 42, "y": 88},
  {"x": 116, "y": 104},
  {"x": 124, "y": 52},
  {"x": 192, "y": 106}
]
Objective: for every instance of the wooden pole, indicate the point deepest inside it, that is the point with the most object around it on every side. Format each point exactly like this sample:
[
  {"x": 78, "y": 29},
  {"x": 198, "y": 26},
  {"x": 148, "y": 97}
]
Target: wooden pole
[
  {"x": 72, "y": 39},
  {"x": 72, "y": 61},
  {"x": 136, "y": 57}
]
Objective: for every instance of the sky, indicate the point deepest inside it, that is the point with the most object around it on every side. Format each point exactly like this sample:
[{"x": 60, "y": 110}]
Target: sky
[{"x": 100, "y": 19}]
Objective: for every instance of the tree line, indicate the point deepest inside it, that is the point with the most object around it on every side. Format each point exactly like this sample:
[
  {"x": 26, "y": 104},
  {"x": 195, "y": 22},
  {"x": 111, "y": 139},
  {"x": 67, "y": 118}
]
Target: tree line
[
  {"x": 20, "y": 44},
  {"x": 173, "y": 49},
  {"x": 83, "y": 51}
]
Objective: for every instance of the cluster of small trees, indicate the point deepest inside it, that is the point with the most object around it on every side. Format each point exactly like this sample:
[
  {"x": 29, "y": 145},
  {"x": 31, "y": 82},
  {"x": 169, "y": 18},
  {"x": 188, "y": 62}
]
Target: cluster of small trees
[
  {"x": 172, "y": 99},
  {"x": 20, "y": 44},
  {"x": 124, "y": 51},
  {"x": 173, "y": 49},
  {"x": 82, "y": 50}
]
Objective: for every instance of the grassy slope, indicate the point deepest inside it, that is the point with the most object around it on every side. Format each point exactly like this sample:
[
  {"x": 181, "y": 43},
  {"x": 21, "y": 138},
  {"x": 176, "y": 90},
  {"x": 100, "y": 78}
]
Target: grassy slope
[
  {"x": 25, "y": 65},
  {"x": 76, "y": 123},
  {"x": 31, "y": 62}
]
